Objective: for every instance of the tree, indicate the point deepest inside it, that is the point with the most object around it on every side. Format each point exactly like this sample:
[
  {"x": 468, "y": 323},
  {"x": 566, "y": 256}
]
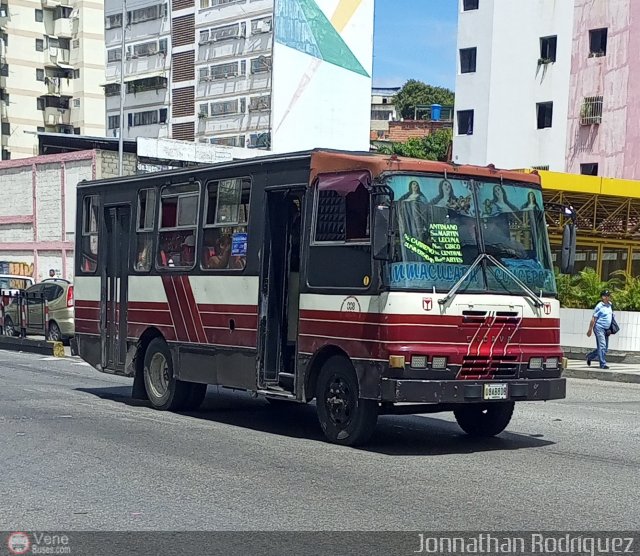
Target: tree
[
  {"x": 416, "y": 92},
  {"x": 434, "y": 146}
]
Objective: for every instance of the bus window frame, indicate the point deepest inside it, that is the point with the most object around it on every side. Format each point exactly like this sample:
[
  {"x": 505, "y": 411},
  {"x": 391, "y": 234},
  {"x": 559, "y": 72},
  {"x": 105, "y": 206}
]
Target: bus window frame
[
  {"x": 159, "y": 229},
  {"x": 153, "y": 231},
  {"x": 314, "y": 215},
  {"x": 244, "y": 179},
  {"x": 85, "y": 233}
]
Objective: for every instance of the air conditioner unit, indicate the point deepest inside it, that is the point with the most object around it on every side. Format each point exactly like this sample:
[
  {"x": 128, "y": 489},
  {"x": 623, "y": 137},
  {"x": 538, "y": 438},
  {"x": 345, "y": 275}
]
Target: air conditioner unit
[{"x": 3, "y": 12}]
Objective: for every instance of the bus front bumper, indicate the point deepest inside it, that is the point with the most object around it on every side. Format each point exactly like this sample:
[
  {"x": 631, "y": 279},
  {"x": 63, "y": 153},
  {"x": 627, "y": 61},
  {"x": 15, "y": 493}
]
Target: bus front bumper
[{"x": 397, "y": 390}]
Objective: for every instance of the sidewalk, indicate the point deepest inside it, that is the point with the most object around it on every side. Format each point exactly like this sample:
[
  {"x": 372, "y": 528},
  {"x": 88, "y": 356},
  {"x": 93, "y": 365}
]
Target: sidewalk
[{"x": 618, "y": 372}]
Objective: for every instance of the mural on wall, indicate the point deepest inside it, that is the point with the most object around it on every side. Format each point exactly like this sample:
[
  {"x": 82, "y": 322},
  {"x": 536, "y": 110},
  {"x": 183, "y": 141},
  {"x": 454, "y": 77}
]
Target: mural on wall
[
  {"x": 17, "y": 269},
  {"x": 322, "y": 66}
]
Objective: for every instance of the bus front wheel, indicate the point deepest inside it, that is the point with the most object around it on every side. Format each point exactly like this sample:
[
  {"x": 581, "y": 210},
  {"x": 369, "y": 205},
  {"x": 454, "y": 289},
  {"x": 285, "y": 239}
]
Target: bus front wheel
[
  {"x": 484, "y": 420},
  {"x": 345, "y": 418},
  {"x": 163, "y": 389}
]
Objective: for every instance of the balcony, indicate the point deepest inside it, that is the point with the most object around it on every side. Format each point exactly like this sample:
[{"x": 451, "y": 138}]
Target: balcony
[
  {"x": 57, "y": 110},
  {"x": 63, "y": 27},
  {"x": 56, "y": 57},
  {"x": 52, "y": 4},
  {"x": 59, "y": 85}
]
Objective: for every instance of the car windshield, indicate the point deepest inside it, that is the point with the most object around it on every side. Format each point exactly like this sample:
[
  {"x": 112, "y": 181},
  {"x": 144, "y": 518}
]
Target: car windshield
[{"x": 443, "y": 224}]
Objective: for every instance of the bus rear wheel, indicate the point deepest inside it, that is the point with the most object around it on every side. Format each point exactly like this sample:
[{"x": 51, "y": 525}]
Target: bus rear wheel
[
  {"x": 163, "y": 389},
  {"x": 484, "y": 420},
  {"x": 345, "y": 418}
]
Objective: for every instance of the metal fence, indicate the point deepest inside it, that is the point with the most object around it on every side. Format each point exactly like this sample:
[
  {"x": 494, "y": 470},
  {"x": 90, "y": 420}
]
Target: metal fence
[{"x": 23, "y": 313}]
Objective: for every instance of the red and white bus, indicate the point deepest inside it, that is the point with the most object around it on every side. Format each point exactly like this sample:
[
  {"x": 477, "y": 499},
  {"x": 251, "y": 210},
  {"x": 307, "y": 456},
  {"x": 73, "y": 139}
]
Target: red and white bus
[{"x": 372, "y": 284}]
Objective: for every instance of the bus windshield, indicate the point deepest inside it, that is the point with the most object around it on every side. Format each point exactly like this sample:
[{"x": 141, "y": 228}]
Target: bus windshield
[{"x": 443, "y": 224}]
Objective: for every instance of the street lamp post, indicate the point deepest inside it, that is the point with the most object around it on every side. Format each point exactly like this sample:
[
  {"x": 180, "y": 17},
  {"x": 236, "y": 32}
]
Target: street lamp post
[{"x": 122, "y": 92}]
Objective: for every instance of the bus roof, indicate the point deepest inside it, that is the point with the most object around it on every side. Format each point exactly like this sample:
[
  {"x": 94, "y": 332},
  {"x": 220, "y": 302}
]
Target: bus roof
[{"x": 328, "y": 160}]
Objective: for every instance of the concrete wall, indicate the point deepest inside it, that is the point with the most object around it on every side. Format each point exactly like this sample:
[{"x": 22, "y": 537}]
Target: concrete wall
[
  {"x": 574, "y": 324},
  {"x": 38, "y": 226}
]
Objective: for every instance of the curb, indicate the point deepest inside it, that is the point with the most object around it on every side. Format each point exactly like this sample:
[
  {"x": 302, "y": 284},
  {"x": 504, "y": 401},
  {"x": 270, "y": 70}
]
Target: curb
[
  {"x": 610, "y": 376},
  {"x": 29, "y": 345}
]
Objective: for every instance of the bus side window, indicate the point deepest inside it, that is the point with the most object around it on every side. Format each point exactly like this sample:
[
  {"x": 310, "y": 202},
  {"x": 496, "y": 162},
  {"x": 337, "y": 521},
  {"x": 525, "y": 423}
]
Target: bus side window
[
  {"x": 224, "y": 245},
  {"x": 89, "y": 257},
  {"x": 144, "y": 229},
  {"x": 340, "y": 251},
  {"x": 178, "y": 226}
]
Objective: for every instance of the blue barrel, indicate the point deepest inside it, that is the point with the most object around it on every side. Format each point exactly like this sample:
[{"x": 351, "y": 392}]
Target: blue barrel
[{"x": 436, "y": 112}]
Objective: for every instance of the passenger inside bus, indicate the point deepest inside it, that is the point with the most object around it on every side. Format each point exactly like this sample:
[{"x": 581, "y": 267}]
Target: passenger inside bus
[
  {"x": 176, "y": 248},
  {"x": 218, "y": 249}
]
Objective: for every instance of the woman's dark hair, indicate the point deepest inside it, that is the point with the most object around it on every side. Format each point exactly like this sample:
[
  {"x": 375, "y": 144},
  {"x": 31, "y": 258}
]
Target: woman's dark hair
[
  {"x": 504, "y": 197},
  {"x": 531, "y": 195},
  {"x": 417, "y": 185},
  {"x": 440, "y": 196}
]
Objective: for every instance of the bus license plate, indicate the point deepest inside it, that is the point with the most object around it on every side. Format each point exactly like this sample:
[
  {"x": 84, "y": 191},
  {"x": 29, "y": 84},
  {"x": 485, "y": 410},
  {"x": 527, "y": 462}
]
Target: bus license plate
[{"x": 495, "y": 392}]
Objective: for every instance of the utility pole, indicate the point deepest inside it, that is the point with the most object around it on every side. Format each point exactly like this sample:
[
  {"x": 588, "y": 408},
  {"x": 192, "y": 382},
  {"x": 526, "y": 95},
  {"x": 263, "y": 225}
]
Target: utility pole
[{"x": 122, "y": 91}]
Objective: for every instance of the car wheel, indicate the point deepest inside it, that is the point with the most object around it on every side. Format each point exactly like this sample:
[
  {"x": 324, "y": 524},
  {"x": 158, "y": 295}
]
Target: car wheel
[
  {"x": 53, "y": 333},
  {"x": 163, "y": 389},
  {"x": 9, "y": 327},
  {"x": 484, "y": 420},
  {"x": 345, "y": 418}
]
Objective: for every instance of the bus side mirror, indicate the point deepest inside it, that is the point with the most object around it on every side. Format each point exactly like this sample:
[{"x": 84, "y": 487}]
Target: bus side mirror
[
  {"x": 568, "y": 253},
  {"x": 381, "y": 223}
]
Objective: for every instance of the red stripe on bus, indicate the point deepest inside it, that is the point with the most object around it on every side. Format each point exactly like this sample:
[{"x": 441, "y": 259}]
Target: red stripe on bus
[
  {"x": 162, "y": 318},
  {"x": 193, "y": 309},
  {"x": 174, "y": 308},
  {"x": 223, "y": 320},
  {"x": 185, "y": 309},
  {"x": 135, "y": 330},
  {"x": 228, "y": 308}
]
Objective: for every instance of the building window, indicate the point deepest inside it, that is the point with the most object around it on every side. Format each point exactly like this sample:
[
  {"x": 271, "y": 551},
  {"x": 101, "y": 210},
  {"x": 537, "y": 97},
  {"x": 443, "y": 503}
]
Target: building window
[
  {"x": 39, "y": 45},
  {"x": 6, "y": 128},
  {"x": 76, "y": 103},
  {"x": 113, "y": 122},
  {"x": 4, "y": 70},
  {"x": 591, "y": 111},
  {"x": 76, "y": 74},
  {"x": 112, "y": 89},
  {"x": 261, "y": 64},
  {"x": 225, "y": 107},
  {"x": 147, "y": 14},
  {"x": 6, "y": 155},
  {"x": 75, "y": 43},
  {"x": 39, "y": 74},
  {"x": 76, "y": 131},
  {"x": 114, "y": 55},
  {"x": 545, "y": 114},
  {"x": 39, "y": 15},
  {"x": 260, "y": 103},
  {"x": 589, "y": 169},
  {"x": 162, "y": 115},
  {"x": 548, "y": 47},
  {"x": 468, "y": 60},
  {"x": 262, "y": 25},
  {"x": 597, "y": 42},
  {"x": 40, "y": 129},
  {"x": 469, "y": 5},
  {"x": 62, "y": 12},
  {"x": 465, "y": 122},
  {"x": 113, "y": 21}
]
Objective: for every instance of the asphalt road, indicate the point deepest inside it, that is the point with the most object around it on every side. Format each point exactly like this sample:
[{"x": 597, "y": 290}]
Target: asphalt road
[{"x": 76, "y": 453}]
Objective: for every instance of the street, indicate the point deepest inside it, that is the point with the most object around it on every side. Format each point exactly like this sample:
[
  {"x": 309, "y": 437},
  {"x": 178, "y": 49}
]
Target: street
[{"x": 77, "y": 453}]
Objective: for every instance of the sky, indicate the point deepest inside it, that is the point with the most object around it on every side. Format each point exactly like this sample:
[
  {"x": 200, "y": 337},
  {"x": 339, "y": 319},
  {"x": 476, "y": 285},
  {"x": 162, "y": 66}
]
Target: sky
[{"x": 415, "y": 39}]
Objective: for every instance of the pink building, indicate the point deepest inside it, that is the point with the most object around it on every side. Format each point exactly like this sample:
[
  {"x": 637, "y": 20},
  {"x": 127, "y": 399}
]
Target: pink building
[{"x": 603, "y": 135}]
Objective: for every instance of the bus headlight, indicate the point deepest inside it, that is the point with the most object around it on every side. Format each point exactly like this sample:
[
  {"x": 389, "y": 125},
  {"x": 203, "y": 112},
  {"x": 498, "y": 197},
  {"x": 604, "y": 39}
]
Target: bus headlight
[
  {"x": 439, "y": 362},
  {"x": 419, "y": 361},
  {"x": 551, "y": 363},
  {"x": 535, "y": 363}
]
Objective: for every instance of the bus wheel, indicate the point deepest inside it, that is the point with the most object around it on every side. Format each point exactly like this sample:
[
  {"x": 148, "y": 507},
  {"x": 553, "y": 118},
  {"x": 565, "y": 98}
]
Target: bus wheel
[
  {"x": 163, "y": 389},
  {"x": 484, "y": 420},
  {"x": 9, "y": 328},
  {"x": 345, "y": 418}
]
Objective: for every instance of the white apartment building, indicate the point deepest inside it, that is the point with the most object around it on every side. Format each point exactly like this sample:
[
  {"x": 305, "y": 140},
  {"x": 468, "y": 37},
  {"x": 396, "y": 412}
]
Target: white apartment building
[
  {"x": 512, "y": 85},
  {"x": 207, "y": 71},
  {"x": 383, "y": 111},
  {"x": 51, "y": 68},
  {"x": 147, "y": 65}
]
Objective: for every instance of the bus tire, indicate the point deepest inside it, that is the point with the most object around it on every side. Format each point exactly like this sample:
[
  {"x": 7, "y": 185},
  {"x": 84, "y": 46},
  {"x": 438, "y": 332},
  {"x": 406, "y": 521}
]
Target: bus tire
[
  {"x": 484, "y": 420},
  {"x": 345, "y": 418},
  {"x": 163, "y": 389},
  {"x": 197, "y": 393},
  {"x": 9, "y": 327}
]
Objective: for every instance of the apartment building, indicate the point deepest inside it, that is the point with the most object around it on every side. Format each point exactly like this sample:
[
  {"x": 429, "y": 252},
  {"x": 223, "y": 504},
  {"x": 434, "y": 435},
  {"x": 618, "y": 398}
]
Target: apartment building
[
  {"x": 51, "y": 69},
  {"x": 383, "y": 111},
  {"x": 144, "y": 71},
  {"x": 547, "y": 84},
  {"x": 210, "y": 71}
]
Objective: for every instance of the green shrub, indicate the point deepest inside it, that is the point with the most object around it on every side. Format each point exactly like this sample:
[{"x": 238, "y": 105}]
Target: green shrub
[{"x": 582, "y": 291}]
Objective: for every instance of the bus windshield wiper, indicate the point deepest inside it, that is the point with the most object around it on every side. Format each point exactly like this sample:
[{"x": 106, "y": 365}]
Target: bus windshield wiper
[
  {"x": 454, "y": 289},
  {"x": 528, "y": 291}
]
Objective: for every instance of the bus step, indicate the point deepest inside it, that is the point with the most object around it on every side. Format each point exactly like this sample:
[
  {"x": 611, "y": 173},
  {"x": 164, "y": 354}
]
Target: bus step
[{"x": 277, "y": 394}]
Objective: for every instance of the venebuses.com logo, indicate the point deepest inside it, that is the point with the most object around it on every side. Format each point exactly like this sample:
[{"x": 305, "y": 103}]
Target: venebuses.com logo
[{"x": 20, "y": 542}]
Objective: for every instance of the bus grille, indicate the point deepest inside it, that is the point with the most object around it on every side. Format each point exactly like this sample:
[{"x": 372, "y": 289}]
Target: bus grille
[{"x": 489, "y": 367}]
